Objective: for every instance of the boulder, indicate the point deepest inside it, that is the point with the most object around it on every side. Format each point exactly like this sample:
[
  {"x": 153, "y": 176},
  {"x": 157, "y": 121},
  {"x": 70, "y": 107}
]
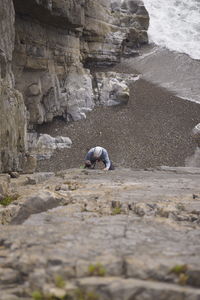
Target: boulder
[
  {"x": 37, "y": 203},
  {"x": 42, "y": 147},
  {"x": 112, "y": 88}
]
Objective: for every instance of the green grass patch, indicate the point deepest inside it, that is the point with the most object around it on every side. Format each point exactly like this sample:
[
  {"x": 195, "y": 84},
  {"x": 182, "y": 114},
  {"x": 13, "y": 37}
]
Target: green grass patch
[
  {"x": 180, "y": 272},
  {"x": 81, "y": 294},
  {"x": 59, "y": 282},
  {"x": 8, "y": 200},
  {"x": 37, "y": 295},
  {"x": 116, "y": 211},
  {"x": 178, "y": 269},
  {"x": 78, "y": 294},
  {"x": 96, "y": 270}
]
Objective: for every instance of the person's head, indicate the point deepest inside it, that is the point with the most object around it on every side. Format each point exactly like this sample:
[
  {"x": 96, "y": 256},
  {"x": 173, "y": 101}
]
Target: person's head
[{"x": 97, "y": 152}]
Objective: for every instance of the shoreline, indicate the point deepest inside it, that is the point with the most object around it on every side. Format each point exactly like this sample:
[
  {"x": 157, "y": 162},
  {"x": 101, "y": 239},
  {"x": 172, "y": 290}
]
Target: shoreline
[{"x": 177, "y": 72}]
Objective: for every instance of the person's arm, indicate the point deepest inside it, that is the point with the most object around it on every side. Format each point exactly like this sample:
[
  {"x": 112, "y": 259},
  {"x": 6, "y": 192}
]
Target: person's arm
[
  {"x": 89, "y": 159},
  {"x": 106, "y": 160},
  {"x": 89, "y": 155}
]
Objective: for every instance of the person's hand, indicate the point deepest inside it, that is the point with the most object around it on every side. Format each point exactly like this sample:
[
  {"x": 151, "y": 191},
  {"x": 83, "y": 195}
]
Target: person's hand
[
  {"x": 88, "y": 163},
  {"x": 105, "y": 169}
]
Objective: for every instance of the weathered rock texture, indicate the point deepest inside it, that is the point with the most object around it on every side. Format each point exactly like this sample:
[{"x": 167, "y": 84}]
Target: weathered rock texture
[
  {"x": 91, "y": 234},
  {"x": 54, "y": 41},
  {"x": 12, "y": 108},
  {"x": 112, "y": 88}
]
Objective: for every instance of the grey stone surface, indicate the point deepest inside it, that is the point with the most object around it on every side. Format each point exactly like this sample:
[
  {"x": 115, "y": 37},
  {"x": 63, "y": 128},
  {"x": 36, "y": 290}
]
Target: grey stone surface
[
  {"x": 39, "y": 202},
  {"x": 39, "y": 177},
  {"x": 123, "y": 234}
]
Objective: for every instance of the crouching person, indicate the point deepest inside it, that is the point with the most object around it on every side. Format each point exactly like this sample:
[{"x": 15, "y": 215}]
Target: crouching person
[{"x": 98, "y": 154}]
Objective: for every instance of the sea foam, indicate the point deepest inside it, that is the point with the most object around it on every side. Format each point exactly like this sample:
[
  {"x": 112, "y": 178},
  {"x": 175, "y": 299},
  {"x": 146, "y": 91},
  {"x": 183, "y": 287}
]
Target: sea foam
[{"x": 175, "y": 24}]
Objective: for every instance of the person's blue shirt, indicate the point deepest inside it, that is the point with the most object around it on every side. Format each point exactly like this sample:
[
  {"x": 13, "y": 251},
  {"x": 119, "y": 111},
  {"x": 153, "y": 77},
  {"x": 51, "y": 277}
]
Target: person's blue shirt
[{"x": 103, "y": 157}]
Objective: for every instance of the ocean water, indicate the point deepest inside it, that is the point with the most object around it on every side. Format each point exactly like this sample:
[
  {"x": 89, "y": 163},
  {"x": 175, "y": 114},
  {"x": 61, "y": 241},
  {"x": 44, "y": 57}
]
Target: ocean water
[
  {"x": 177, "y": 72},
  {"x": 175, "y": 24},
  {"x": 173, "y": 61}
]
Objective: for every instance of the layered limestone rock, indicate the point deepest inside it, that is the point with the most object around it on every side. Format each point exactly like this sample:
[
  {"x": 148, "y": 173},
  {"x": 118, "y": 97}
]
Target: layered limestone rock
[
  {"x": 54, "y": 40},
  {"x": 113, "y": 29},
  {"x": 100, "y": 46},
  {"x": 90, "y": 234},
  {"x": 13, "y": 116},
  {"x": 132, "y": 18},
  {"x": 45, "y": 57}
]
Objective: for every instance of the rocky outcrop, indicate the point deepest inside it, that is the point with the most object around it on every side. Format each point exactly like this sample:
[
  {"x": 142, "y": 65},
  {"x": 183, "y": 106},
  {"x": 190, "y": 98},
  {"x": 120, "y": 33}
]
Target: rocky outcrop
[
  {"x": 42, "y": 146},
  {"x": 12, "y": 109},
  {"x": 45, "y": 48},
  {"x": 91, "y": 234},
  {"x": 112, "y": 88},
  {"x": 54, "y": 41},
  {"x": 132, "y": 17},
  {"x": 43, "y": 63}
]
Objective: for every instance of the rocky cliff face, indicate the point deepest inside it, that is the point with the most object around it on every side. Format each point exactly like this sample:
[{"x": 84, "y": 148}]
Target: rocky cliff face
[
  {"x": 12, "y": 109},
  {"x": 54, "y": 40},
  {"x": 46, "y": 46}
]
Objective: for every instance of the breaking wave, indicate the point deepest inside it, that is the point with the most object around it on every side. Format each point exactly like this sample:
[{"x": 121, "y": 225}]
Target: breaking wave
[{"x": 175, "y": 24}]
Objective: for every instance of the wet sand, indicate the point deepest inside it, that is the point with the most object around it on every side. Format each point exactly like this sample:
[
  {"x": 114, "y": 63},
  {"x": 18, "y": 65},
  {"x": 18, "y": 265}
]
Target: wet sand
[{"x": 153, "y": 129}]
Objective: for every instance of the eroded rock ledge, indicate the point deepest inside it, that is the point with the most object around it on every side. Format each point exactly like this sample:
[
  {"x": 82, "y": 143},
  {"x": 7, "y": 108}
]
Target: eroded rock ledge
[{"x": 87, "y": 234}]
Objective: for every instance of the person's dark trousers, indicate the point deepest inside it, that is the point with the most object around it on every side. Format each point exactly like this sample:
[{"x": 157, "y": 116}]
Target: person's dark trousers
[{"x": 90, "y": 166}]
